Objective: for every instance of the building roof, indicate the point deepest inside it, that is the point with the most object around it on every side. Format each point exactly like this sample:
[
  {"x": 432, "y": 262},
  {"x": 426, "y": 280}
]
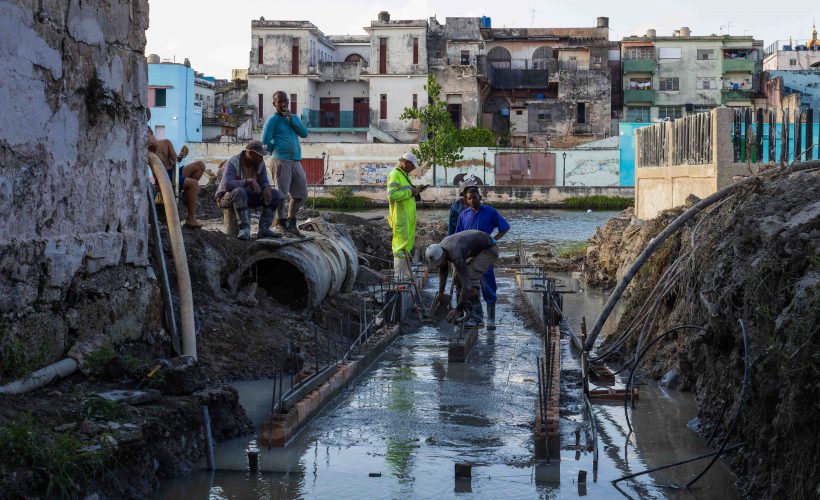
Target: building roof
[
  {"x": 342, "y": 39},
  {"x": 704, "y": 38},
  {"x": 601, "y": 34},
  {"x": 277, "y": 23},
  {"x": 398, "y": 23}
]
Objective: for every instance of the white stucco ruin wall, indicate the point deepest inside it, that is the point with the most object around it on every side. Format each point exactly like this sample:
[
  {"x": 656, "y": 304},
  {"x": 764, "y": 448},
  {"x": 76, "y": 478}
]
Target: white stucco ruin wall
[{"x": 73, "y": 235}]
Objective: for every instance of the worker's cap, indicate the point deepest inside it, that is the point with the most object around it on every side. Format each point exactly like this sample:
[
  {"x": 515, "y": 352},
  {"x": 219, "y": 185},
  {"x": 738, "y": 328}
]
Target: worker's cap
[
  {"x": 465, "y": 185},
  {"x": 434, "y": 254},
  {"x": 257, "y": 147},
  {"x": 411, "y": 158}
]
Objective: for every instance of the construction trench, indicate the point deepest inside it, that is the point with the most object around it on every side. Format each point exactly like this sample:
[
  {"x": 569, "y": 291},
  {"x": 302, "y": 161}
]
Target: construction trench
[{"x": 386, "y": 411}]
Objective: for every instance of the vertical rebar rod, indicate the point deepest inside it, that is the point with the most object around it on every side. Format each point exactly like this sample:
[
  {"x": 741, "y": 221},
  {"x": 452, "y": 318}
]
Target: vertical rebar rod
[{"x": 809, "y": 134}]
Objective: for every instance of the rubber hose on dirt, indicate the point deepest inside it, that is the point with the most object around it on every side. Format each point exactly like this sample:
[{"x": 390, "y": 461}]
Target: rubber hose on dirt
[{"x": 302, "y": 274}]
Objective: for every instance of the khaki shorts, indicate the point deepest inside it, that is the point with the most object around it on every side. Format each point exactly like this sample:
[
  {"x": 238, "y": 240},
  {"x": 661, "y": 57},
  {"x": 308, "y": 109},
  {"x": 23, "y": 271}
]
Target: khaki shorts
[
  {"x": 480, "y": 264},
  {"x": 290, "y": 178}
]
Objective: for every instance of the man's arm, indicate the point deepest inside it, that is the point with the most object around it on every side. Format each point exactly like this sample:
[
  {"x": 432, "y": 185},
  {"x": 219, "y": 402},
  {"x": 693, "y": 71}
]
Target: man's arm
[
  {"x": 502, "y": 225},
  {"x": 442, "y": 277},
  {"x": 298, "y": 127},
  {"x": 267, "y": 134},
  {"x": 452, "y": 221},
  {"x": 395, "y": 191},
  {"x": 263, "y": 177},
  {"x": 464, "y": 278},
  {"x": 229, "y": 177}
]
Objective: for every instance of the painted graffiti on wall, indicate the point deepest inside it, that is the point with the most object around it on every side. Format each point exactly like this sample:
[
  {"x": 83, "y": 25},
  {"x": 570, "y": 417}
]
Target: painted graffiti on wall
[
  {"x": 593, "y": 172},
  {"x": 467, "y": 177},
  {"x": 374, "y": 173}
]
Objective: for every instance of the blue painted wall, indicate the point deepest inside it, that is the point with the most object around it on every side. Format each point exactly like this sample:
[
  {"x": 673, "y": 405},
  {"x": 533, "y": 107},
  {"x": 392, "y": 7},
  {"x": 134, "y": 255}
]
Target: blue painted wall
[
  {"x": 626, "y": 133},
  {"x": 181, "y": 119}
]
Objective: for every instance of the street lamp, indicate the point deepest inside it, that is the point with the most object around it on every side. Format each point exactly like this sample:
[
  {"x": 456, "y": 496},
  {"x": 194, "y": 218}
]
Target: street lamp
[
  {"x": 484, "y": 178},
  {"x": 564, "y": 169}
]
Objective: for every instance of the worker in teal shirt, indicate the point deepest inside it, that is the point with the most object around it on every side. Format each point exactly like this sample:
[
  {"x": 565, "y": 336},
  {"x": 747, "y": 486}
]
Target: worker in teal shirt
[
  {"x": 486, "y": 219},
  {"x": 281, "y": 137}
]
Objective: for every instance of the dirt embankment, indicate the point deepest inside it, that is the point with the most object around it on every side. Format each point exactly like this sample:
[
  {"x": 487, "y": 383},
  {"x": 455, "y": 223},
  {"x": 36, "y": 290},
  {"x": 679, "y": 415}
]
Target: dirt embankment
[
  {"x": 754, "y": 257},
  {"x": 63, "y": 441}
]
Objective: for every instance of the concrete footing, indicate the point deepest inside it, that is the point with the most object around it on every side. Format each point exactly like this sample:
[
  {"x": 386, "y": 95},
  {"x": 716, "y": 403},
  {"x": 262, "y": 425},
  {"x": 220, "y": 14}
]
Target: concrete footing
[
  {"x": 280, "y": 428},
  {"x": 461, "y": 341}
]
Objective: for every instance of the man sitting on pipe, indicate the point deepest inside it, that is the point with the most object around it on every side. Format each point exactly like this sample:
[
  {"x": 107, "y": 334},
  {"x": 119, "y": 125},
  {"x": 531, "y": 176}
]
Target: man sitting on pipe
[
  {"x": 245, "y": 185},
  {"x": 472, "y": 253},
  {"x": 189, "y": 175}
]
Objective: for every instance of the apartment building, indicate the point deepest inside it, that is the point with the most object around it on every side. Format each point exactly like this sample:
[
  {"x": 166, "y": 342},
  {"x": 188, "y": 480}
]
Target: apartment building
[
  {"x": 668, "y": 77},
  {"x": 345, "y": 88}
]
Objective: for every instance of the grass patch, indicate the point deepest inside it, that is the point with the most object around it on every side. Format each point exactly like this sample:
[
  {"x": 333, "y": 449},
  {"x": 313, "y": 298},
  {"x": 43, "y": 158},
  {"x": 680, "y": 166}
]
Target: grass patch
[
  {"x": 18, "y": 358},
  {"x": 61, "y": 461},
  {"x": 572, "y": 250},
  {"x": 98, "y": 408},
  {"x": 598, "y": 202},
  {"x": 340, "y": 197},
  {"x": 98, "y": 361}
]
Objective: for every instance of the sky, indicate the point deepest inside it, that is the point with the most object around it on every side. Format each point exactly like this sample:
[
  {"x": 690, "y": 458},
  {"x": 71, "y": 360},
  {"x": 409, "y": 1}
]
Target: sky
[{"x": 215, "y": 34}]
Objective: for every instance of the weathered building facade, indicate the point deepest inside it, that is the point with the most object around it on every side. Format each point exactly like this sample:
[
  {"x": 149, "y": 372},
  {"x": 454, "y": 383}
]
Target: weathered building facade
[
  {"x": 73, "y": 236},
  {"x": 345, "y": 88},
  {"x": 668, "y": 77}
]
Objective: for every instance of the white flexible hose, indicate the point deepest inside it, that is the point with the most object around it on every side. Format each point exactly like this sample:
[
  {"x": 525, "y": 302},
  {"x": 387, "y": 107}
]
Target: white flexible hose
[{"x": 186, "y": 300}]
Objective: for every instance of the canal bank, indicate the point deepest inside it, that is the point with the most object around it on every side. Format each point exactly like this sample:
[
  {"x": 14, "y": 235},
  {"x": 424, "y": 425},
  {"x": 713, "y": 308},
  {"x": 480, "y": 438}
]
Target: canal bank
[{"x": 399, "y": 431}]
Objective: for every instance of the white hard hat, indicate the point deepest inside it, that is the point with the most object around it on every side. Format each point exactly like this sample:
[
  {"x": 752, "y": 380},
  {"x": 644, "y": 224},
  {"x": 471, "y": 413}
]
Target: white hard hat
[
  {"x": 434, "y": 254},
  {"x": 411, "y": 158}
]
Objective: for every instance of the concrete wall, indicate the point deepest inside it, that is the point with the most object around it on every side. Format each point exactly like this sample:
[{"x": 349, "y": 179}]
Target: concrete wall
[
  {"x": 460, "y": 80},
  {"x": 399, "y": 49},
  {"x": 781, "y": 60},
  {"x": 593, "y": 165},
  {"x": 399, "y": 91},
  {"x": 658, "y": 187},
  {"x": 688, "y": 68},
  {"x": 497, "y": 196},
  {"x": 73, "y": 246},
  {"x": 181, "y": 119},
  {"x": 299, "y": 85}
]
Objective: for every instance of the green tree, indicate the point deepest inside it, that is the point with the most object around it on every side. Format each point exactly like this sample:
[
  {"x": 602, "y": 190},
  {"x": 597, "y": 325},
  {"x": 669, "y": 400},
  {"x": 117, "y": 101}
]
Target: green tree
[
  {"x": 475, "y": 137},
  {"x": 441, "y": 145}
]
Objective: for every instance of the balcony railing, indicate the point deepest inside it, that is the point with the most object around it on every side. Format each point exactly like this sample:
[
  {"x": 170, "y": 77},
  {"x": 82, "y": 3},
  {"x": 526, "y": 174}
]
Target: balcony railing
[
  {"x": 739, "y": 65},
  {"x": 639, "y": 65},
  {"x": 341, "y": 70},
  {"x": 737, "y": 95},
  {"x": 632, "y": 96},
  {"x": 319, "y": 121},
  {"x": 518, "y": 73}
]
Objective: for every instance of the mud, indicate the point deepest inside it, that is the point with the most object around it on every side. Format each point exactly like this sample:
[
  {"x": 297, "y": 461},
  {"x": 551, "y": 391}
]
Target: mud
[{"x": 755, "y": 258}]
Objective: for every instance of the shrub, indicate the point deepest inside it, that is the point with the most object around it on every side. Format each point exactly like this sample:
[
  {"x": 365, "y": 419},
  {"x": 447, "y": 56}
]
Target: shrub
[
  {"x": 475, "y": 137},
  {"x": 598, "y": 202}
]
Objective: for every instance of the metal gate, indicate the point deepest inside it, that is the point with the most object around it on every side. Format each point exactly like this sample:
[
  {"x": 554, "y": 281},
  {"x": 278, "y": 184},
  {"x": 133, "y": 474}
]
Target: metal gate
[{"x": 525, "y": 169}]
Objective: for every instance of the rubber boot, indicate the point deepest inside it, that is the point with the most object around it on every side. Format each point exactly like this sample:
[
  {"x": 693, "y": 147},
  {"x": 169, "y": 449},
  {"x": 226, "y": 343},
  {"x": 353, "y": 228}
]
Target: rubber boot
[
  {"x": 292, "y": 229},
  {"x": 280, "y": 228},
  {"x": 476, "y": 319},
  {"x": 265, "y": 220},
  {"x": 243, "y": 217},
  {"x": 490, "y": 316}
]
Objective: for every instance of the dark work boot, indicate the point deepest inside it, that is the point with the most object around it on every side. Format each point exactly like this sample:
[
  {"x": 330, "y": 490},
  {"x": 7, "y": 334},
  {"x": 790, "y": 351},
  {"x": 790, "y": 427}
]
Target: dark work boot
[
  {"x": 292, "y": 229},
  {"x": 476, "y": 314},
  {"x": 490, "y": 316},
  {"x": 243, "y": 218},
  {"x": 265, "y": 220},
  {"x": 280, "y": 227}
]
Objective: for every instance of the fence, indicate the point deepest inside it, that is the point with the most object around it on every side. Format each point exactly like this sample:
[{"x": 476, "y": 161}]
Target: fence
[
  {"x": 757, "y": 137},
  {"x": 687, "y": 141}
]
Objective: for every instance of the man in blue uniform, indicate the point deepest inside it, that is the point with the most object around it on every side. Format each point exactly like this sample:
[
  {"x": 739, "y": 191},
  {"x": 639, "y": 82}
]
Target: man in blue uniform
[{"x": 486, "y": 219}]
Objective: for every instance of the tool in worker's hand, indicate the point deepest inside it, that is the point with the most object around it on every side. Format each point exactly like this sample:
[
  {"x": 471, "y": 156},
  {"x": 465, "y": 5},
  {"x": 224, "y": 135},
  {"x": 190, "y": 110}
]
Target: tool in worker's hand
[{"x": 440, "y": 307}]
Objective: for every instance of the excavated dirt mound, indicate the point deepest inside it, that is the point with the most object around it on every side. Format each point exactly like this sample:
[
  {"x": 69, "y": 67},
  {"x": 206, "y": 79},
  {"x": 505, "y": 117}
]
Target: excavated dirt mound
[{"x": 754, "y": 257}]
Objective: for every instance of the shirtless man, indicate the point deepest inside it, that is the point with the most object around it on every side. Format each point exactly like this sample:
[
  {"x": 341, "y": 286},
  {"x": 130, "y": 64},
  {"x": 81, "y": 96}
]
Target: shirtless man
[{"x": 189, "y": 175}]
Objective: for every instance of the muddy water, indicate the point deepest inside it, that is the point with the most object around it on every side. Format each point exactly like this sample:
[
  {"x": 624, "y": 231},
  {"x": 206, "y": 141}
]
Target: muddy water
[{"x": 398, "y": 431}]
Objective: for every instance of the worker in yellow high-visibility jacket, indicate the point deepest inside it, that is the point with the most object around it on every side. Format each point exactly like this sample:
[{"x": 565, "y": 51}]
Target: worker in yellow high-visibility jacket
[{"x": 402, "y": 196}]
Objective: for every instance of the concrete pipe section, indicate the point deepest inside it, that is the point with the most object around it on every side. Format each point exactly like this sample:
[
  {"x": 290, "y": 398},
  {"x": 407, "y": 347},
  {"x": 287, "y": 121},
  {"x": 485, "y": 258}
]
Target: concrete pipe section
[{"x": 302, "y": 274}]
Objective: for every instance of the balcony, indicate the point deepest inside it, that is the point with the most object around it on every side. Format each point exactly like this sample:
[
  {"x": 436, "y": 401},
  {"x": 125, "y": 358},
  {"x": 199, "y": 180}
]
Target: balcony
[
  {"x": 739, "y": 65},
  {"x": 336, "y": 121},
  {"x": 633, "y": 96},
  {"x": 339, "y": 71},
  {"x": 736, "y": 95},
  {"x": 639, "y": 65}
]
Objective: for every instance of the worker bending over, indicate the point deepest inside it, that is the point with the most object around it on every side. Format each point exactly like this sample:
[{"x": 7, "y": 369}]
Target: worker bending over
[{"x": 472, "y": 253}]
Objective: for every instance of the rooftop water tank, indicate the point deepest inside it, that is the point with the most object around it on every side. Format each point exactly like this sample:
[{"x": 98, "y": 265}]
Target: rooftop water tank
[
  {"x": 153, "y": 59},
  {"x": 486, "y": 22},
  {"x": 384, "y": 16},
  {"x": 602, "y": 22}
]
